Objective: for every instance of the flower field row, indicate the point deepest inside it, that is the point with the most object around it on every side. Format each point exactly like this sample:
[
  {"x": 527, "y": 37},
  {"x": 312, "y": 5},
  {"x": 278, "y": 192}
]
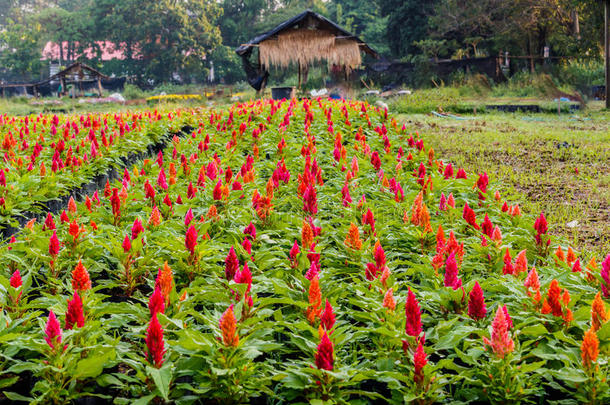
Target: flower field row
[
  {"x": 300, "y": 251},
  {"x": 46, "y": 157}
]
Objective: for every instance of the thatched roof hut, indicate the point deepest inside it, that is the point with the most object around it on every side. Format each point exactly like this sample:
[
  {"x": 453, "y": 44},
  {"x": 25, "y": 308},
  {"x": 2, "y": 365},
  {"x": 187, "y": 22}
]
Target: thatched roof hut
[{"x": 303, "y": 40}]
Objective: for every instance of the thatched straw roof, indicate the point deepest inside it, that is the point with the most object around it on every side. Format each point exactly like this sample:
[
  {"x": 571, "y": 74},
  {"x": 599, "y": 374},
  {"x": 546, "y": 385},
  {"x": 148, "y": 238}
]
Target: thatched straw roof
[{"x": 305, "y": 39}]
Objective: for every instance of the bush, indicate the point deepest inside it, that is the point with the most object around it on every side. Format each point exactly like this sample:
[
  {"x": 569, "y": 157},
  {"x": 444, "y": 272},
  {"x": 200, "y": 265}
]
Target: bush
[{"x": 132, "y": 92}]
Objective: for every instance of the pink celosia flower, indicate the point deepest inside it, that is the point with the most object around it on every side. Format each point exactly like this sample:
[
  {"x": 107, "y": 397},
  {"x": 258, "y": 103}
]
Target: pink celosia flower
[
  {"x": 605, "y": 273},
  {"x": 52, "y": 331},
  {"x": 327, "y": 318},
  {"x": 54, "y": 244},
  {"x": 451, "y": 272},
  {"x": 310, "y": 200},
  {"x": 501, "y": 343}
]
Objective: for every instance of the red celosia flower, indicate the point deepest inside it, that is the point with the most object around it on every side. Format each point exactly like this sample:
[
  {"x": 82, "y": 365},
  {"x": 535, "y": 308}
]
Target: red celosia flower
[
  {"x": 461, "y": 174},
  {"x": 487, "y": 227},
  {"x": 413, "y": 325},
  {"x": 476, "y": 303},
  {"x": 136, "y": 228},
  {"x": 470, "y": 216},
  {"x": 115, "y": 202},
  {"x": 231, "y": 264},
  {"x": 508, "y": 263},
  {"x": 228, "y": 327},
  {"x": 154, "y": 342},
  {"x": 419, "y": 361},
  {"x": 375, "y": 160},
  {"x": 451, "y": 272},
  {"x": 80, "y": 278},
  {"x": 501, "y": 342},
  {"x": 156, "y": 303},
  {"x": 54, "y": 244},
  {"x": 577, "y": 268},
  {"x": 324, "y": 354},
  {"x": 126, "y": 244},
  {"x": 190, "y": 241},
  {"x": 49, "y": 223},
  {"x": 369, "y": 219},
  {"x": 52, "y": 331},
  {"x": 541, "y": 228},
  {"x": 589, "y": 350},
  {"x": 74, "y": 314},
  {"x": 327, "y": 318},
  {"x": 15, "y": 280}
]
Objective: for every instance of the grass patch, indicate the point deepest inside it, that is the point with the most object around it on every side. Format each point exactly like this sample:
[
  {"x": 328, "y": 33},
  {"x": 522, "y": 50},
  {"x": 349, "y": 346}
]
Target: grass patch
[{"x": 536, "y": 159}]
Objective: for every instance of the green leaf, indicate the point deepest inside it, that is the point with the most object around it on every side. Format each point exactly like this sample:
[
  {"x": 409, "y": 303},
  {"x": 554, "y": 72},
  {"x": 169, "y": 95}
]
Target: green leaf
[
  {"x": 13, "y": 396},
  {"x": 162, "y": 378},
  {"x": 94, "y": 365}
]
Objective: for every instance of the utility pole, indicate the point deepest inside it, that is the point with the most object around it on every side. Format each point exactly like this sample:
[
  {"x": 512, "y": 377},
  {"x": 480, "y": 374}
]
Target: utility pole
[{"x": 607, "y": 51}]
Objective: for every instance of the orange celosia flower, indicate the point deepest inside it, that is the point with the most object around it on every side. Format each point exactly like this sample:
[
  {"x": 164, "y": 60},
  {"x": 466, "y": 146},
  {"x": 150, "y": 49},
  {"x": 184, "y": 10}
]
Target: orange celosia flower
[
  {"x": 165, "y": 281},
  {"x": 306, "y": 236},
  {"x": 72, "y": 205},
  {"x": 440, "y": 239},
  {"x": 212, "y": 212},
  {"x": 553, "y": 302},
  {"x": 80, "y": 278},
  {"x": 388, "y": 300},
  {"x": 589, "y": 350},
  {"x": 559, "y": 254},
  {"x": 591, "y": 269},
  {"x": 43, "y": 170},
  {"x": 352, "y": 240},
  {"x": 425, "y": 219},
  {"x": 315, "y": 300},
  {"x": 385, "y": 274},
  {"x": 521, "y": 262},
  {"x": 228, "y": 326},
  {"x": 571, "y": 257},
  {"x": 416, "y": 209},
  {"x": 598, "y": 313},
  {"x": 532, "y": 282},
  {"x": 155, "y": 217}
]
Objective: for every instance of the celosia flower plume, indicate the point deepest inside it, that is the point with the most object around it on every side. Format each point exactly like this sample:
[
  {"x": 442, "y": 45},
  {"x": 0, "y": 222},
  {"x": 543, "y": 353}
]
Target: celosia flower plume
[
  {"x": 228, "y": 327},
  {"x": 501, "y": 343},
  {"x": 75, "y": 314},
  {"x": 413, "y": 326},
  {"x": 155, "y": 344},
  {"x": 476, "y": 303},
  {"x": 80, "y": 278},
  {"x": 324, "y": 354}
]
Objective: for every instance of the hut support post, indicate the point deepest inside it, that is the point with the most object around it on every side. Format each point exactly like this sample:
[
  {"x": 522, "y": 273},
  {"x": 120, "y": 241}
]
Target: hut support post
[
  {"x": 99, "y": 86},
  {"x": 299, "y": 86}
]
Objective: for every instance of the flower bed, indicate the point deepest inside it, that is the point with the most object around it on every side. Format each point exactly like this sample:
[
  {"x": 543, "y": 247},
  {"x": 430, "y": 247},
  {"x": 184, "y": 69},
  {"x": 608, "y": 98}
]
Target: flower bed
[
  {"x": 47, "y": 157},
  {"x": 300, "y": 251}
]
